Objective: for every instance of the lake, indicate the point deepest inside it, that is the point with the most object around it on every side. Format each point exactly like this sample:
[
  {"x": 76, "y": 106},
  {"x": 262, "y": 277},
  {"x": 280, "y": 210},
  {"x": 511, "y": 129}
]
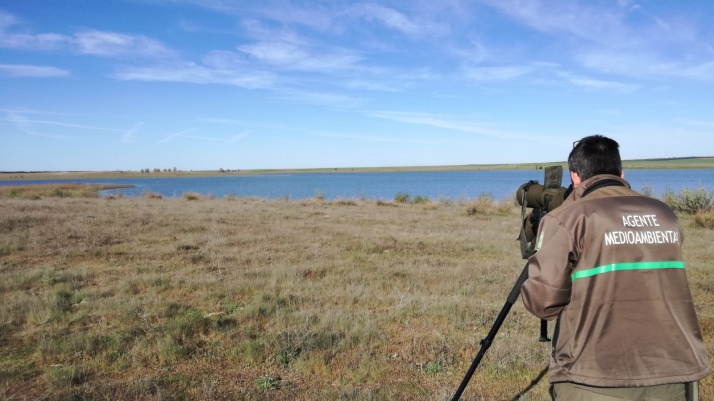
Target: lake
[{"x": 458, "y": 184}]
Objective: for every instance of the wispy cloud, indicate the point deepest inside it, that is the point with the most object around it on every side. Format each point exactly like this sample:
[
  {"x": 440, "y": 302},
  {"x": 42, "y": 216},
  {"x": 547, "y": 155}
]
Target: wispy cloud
[
  {"x": 18, "y": 116},
  {"x": 334, "y": 100},
  {"x": 569, "y": 17},
  {"x": 375, "y": 138},
  {"x": 598, "y": 84},
  {"x": 90, "y": 42},
  {"x": 197, "y": 74},
  {"x": 114, "y": 44},
  {"x": 447, "y": 123},
  {"x": 647, "y": 65},
  {"x": 176, "y": 135},
  {"x": 24, "y": 125},
  {"x": 34, "y": 71},
  {"x": 296, "y": 57},
  {"x": 238, "y": 137},
  {"x": 128, "y": 135},
  {"x": 387, "y": 16},
  {"x": 503, "y": 73},
  {"x": 185, "y": 134},
  {"x": 623, "y": 39}
]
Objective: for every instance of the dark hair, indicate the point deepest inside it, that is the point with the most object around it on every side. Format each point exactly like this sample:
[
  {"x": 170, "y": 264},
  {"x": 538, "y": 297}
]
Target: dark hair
[{"x": 595, "y": 155}]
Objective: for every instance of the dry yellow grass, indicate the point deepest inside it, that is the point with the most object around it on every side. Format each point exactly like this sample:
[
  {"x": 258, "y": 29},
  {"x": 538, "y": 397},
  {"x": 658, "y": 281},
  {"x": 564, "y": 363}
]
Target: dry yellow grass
[{"x": 148, "y": 299}]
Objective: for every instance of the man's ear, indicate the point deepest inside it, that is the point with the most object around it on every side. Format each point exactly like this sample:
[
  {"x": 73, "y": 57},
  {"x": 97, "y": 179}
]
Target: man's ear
[
  {"x": 575, "y": 178},
  {"x": 622, "y": 174}
]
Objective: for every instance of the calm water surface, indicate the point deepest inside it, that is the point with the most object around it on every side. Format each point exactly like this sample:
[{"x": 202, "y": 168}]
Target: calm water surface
[{"x": 468, "y": 184}]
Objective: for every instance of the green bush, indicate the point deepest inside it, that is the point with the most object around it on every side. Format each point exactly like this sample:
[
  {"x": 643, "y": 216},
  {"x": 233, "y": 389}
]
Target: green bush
[
  {"x": 402, "y": 197},
  {"x": 421, "y": 199},
  {"x": 647, "y": 191},
  {"x": 689, "y": 201}
]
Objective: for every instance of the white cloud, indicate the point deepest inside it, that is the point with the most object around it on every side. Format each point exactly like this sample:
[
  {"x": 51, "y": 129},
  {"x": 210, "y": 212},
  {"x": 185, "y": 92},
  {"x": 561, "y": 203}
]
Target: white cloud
[
  {"x": 646, "y": 65},
  {"x": 237, "y": 138},
  {"x": 197, "y": 74},
  {"x": 594, "y": 24},
  {"x": 373, "y": 138},
  {"x": 387, "y": 16},
  {"x": 45, "y": 41},
  {"x": 446, "y": 123},
  {"x": 24, "y": 125},
  {"x": 92, "y": 42},
  {"x": 185, "y": 134},
  {"x": 593, "y": 83},
  {"x": 178, "y": 134},
  {"x": 113, "y": 44},
  {"x": 626, "y": 40},
  {"x": 19, "y": 116},
  {"x": 322, "y": 98},
  {"x": 223, "y": 60},
  {"x": 22, "y": 70},
  {"x": 128, "y": 135},
  {"x": 297, "y": 57},
  {"x": 497, "y": 73}
]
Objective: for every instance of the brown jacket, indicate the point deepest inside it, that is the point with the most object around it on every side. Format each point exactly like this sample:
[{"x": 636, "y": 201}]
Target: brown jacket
[{"x": 609, "y": 266}]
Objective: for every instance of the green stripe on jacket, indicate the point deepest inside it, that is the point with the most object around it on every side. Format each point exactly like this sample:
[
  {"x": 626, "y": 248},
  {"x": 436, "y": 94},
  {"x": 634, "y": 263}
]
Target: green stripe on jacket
[{"x": 672, "y": 264}]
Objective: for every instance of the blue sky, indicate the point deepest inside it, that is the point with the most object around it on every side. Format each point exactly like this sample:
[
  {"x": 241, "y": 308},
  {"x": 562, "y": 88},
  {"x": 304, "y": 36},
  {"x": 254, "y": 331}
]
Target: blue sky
[{"x": 240, "y": 84}]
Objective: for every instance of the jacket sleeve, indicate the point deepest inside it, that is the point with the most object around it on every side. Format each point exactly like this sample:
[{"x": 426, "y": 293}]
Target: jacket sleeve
[{"x": 547, "y": 290}]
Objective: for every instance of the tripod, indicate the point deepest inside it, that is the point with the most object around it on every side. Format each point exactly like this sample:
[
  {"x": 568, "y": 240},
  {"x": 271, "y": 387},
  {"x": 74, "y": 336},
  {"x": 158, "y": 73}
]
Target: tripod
[{"x": 486, "y": 342}]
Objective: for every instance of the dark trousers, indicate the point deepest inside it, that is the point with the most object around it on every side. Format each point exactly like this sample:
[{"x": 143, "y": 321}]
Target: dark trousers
[{"x": 567, "y": 391}]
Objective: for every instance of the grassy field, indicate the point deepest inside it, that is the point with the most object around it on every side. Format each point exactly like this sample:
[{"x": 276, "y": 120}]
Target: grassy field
[
  {"x": 244, "y": 298},
  {"x": 677, "y": 163}
]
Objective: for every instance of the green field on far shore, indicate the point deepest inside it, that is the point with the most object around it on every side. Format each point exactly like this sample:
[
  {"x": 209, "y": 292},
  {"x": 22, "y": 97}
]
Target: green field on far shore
[{"x": 653, "y": 164}]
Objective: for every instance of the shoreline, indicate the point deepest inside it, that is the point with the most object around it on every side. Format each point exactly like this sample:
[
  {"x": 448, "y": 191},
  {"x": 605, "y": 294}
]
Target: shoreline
[{"x": 648, "y": 164}]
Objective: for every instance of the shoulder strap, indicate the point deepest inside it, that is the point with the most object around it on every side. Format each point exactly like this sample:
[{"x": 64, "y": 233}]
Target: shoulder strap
[{"x": 602, "y": 184}]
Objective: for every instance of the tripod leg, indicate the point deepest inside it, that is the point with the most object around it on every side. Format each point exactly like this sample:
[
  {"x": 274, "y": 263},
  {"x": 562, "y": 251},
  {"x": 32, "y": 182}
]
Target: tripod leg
[
  {"x": 544, "y": 331},
  {"x": 486, "y": 342}
]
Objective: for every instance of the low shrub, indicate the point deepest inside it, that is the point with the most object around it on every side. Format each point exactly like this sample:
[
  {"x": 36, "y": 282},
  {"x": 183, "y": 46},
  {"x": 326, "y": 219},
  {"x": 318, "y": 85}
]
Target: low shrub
[
  {"x": 704, "y": 220},
  {"x": 153, "y": 195},
  {"x": 192, "y": 196},
  {"x": 689, "y": 201},
  {"x": 483, "y": 204},
  {"x": 421, "y": 199},
  {"x": 344, "y": 202},
  {"x": 319, "y": 195},
  {"x": 647, "y": 191},
  {"x": 402, "y": 197},
  {"x": 383, "y": 203}
]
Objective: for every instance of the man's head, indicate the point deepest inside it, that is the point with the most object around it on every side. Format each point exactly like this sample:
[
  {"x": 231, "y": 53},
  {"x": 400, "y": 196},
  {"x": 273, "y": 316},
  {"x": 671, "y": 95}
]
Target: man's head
[{"x": 594, "y": 155}]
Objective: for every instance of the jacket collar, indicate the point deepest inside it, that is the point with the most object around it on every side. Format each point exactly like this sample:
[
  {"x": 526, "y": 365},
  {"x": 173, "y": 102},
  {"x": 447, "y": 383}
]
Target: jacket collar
[{"x": 578, "y": 192}]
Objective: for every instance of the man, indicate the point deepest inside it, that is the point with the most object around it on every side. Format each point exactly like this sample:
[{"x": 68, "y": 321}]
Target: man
[{"x": 609, "y": 267}]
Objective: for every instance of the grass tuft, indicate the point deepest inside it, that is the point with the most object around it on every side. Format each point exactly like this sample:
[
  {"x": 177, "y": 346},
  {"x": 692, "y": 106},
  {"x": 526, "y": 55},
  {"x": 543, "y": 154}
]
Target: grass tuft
[
  {"x": 191, "y": 196},
  {"x": 267, "y": 383},
  {"x": 153, "y": 195},
  {"x": 344, "y": 202}
]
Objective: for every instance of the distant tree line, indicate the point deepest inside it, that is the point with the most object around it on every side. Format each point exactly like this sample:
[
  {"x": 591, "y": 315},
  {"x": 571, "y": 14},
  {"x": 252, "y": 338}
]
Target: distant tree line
[{"x": 158, "y": 170}]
